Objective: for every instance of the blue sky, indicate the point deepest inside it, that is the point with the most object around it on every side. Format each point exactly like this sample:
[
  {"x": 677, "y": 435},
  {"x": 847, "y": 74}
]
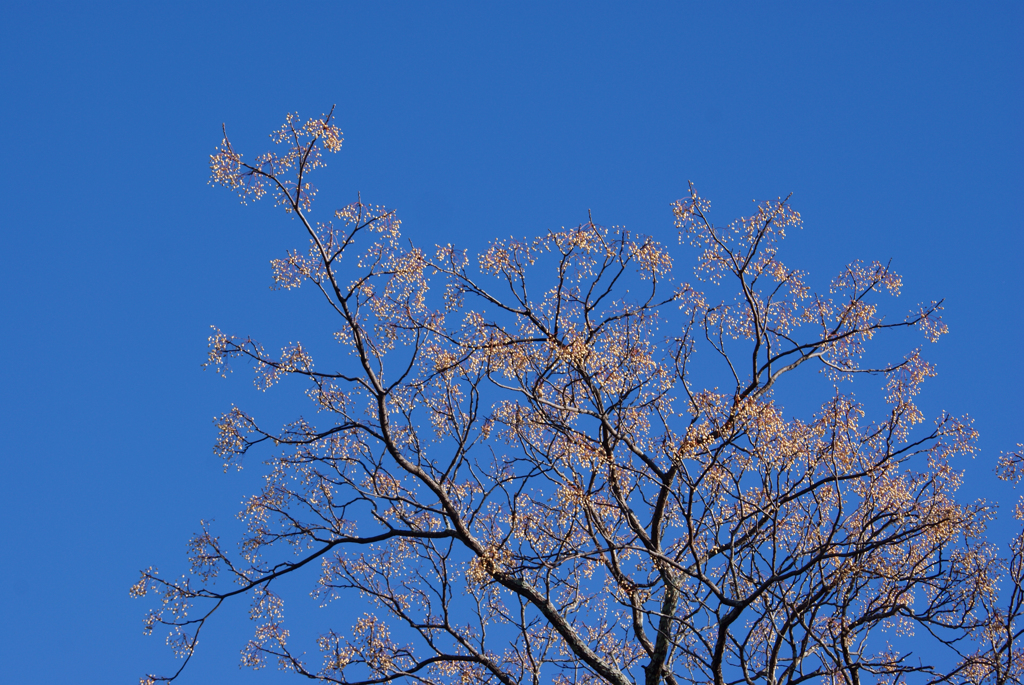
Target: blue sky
[{"x": 897, "y": 127}]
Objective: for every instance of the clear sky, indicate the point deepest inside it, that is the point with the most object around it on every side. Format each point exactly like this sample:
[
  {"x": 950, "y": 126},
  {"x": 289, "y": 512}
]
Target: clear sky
[{"x": 896, "y": 126}]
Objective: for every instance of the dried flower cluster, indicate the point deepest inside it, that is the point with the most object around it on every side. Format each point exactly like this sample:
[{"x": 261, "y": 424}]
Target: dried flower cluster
[{"x": 518, "y": 472}]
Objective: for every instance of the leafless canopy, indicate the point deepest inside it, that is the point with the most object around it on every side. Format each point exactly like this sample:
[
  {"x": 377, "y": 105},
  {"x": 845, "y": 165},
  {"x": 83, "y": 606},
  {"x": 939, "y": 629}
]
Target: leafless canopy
[{"x": 556, "y": 463}]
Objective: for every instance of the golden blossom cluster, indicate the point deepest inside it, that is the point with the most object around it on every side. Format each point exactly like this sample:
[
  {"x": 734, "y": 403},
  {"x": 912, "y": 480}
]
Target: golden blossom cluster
[{"x": 561, "y": 463}]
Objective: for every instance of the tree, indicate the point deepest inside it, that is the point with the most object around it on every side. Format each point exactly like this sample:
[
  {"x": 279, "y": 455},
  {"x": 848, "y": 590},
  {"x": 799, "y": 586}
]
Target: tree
[{"x": 557, "y": 464}]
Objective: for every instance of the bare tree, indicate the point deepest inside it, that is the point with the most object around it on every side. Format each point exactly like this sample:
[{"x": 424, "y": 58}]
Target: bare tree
[{"x": 557, "y": 464}]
